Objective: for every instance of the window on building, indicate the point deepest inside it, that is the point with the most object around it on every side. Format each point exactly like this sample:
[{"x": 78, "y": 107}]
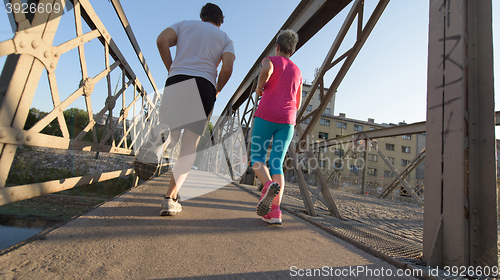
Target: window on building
[
  {"x": 358, "y": 127},
  {"x": 373, "y": 128},
  {"x": 323, "y": 135},
  {"x": 406, "y": 137},
  {"x": 338, "y": 165},
  {"x": 372, "y": 157},
  {"x": 354, "y": 168},
  {"x": 391, "y": 160},
  {"x": 304, "y": 93},
  {"x": 388, "y": 173},
  {"x": 371, "y": 171},
  {"x": 342, "y": 125},
  {"x": 405, "y": 149},
  {"x": 324, "y": 122},
  {"x": 389, "y": 147},
  {"x": 306, "y": 121},
  {"x": 405, "y": 162},
  {"x": 322, "y": 163},
  {"x": 309, "y": 108},
  {"x": 327, "y": 111},
  {"x": 336, "y": 152}
]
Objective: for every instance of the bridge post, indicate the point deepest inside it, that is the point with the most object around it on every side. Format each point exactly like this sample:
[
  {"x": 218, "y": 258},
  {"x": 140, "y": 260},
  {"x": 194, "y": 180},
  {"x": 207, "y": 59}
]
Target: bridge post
[{"x": 460, "y": 217}]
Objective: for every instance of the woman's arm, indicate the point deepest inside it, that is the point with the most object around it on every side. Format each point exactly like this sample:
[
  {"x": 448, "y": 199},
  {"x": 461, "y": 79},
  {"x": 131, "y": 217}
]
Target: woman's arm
[
  {"x": 265, "y": 73},
  {"x": 299, "y": 98}
]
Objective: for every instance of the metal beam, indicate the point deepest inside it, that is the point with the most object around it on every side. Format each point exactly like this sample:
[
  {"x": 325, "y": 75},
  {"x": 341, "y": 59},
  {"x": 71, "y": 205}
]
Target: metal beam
[
  {"x": 395, "y": 172},
  {"x": 372, "y": 21},
  {"x": 307, "y": 19},
  {"x": 128, "y": 29},
  {"x": 29, "y": 53},
  {"x": 460, "y": 217},
  {"x": 413, "y": 164},
  {"x": 408, "y": 129}
]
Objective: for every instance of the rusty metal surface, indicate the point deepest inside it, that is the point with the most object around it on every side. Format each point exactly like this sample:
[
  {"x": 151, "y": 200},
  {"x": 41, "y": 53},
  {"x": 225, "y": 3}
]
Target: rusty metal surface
[{"x": 461, "y": 205}]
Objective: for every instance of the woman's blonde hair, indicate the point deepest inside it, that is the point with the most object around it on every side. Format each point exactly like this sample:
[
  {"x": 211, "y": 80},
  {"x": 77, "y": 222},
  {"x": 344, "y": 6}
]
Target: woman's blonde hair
[{"x": 287, "y": 40}]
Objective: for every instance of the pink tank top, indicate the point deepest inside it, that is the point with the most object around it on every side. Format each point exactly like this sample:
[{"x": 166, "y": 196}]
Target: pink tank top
[{"x": 279, "y": 99}]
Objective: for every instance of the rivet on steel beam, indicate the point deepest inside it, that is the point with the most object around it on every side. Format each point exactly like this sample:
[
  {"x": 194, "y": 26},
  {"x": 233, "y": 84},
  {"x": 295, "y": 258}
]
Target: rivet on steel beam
[
  {"x": 22, "y": 44},
  {"x": 82, "y": 40},
  {"x": 475, "y": 211},
  {"x": 46, "y": 54},
  {"x": 29, "y": 138},
  {"x": 19, "y": 137},
  {"x": 475, "y": 244},
  {"x": 53, "y": 65},
  {"x": 475, "y": 260},
  {"x": 2, "y": 134},
  {"x": 56, "y": 54},
  {"x": 475, "y": 228},
  {"x": 88, "y": 86},
  {"x": 61, "y": 109},
  {"x": 35, "y": 44}
]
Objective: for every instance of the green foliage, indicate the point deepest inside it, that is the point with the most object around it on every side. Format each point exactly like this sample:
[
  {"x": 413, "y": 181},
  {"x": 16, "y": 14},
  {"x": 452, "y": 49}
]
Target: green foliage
[
  {"x": 76, "y": 121},
  {"x": 35, "y": 115},
  {"x": 210, "y": 127}
]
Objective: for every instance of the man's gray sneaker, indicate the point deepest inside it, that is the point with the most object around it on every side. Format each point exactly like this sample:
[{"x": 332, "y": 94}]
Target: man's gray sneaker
[{"x": 170, "y": 207}]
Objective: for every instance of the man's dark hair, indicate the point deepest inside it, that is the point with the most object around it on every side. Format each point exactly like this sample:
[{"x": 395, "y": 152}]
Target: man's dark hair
[{"x": 212, "y": 13}]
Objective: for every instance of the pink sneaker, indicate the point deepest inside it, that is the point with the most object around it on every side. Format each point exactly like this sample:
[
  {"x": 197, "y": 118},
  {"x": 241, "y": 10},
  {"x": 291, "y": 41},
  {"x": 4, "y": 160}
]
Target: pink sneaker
[
  {"x": 273, "y": 217},
  {"x": 270, "y": 190}
]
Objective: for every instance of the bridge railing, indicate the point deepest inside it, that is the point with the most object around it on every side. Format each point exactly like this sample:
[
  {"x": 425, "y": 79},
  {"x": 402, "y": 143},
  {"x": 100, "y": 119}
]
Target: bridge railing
[{"x": 114, "y": 126}]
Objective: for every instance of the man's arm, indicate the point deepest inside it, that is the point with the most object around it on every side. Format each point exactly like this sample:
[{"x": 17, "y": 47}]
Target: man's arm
[
  {"x": 166, "y": 39},
  {"x": 225, "y": 71}
]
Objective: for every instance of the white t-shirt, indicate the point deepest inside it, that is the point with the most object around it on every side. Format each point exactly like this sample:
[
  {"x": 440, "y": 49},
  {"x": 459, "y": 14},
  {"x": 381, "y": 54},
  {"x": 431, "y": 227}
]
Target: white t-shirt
[{"x": 199, "y": 50}]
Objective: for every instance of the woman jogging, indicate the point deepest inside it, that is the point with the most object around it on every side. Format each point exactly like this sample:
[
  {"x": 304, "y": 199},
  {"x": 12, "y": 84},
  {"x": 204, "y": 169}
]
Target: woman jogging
[{"x": 280, "y": 85}]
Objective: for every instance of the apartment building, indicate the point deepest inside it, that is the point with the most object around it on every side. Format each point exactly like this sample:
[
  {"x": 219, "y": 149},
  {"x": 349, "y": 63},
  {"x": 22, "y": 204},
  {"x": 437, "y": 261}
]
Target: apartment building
[{"x": 400, "y": 150}]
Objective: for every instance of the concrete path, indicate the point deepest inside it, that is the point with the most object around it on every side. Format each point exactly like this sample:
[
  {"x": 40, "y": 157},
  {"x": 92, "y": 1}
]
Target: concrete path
[{"x": 216, "y": 236}]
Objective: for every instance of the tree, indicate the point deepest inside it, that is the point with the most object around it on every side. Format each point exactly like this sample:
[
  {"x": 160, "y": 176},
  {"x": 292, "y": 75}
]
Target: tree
[
  {"x": 210, "y": 127},
  {"x": 76, "y": 120}
]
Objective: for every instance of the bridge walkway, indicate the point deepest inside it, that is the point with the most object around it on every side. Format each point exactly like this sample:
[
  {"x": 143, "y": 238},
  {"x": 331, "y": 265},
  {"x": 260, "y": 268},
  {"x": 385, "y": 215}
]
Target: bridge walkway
[{"x": 217, "y": 236}]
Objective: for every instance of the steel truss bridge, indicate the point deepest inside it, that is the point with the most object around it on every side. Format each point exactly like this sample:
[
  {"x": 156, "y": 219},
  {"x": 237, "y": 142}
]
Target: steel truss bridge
[{"x": 460, "y": 218}]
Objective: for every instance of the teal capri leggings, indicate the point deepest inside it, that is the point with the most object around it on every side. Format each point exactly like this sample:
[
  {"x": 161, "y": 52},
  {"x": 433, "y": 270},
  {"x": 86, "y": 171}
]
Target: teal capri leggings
[{"x": 262, "y": 132}]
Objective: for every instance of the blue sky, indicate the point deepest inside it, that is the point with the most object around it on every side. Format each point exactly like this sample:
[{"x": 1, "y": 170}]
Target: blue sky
[{"x": 387, "y": 81}]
